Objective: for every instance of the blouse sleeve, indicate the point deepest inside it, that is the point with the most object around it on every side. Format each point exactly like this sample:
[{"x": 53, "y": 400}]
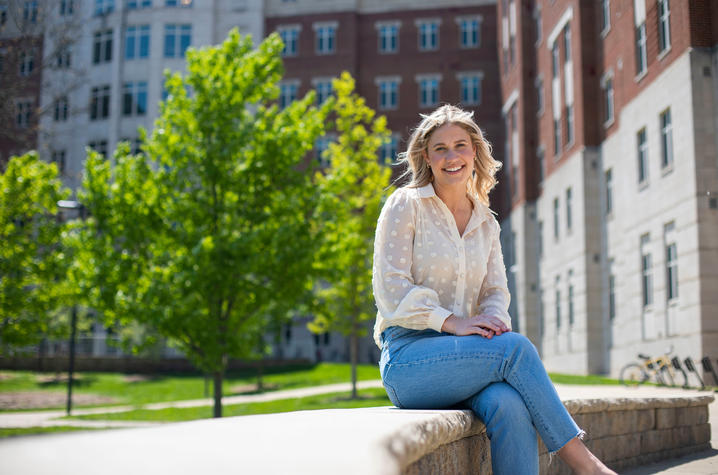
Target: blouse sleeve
[
  {"x": 494, "y": 297},
  {"x": 399, "y": 301}
]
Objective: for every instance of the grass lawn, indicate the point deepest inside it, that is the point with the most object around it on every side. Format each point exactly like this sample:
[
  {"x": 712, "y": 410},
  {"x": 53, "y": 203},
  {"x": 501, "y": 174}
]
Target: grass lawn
[
  {"x": 138, "y": 389},
  {"x": 4, "y": 433},
  {"x": 367, "y": 398},
  {"x": 575, "y": 379}
]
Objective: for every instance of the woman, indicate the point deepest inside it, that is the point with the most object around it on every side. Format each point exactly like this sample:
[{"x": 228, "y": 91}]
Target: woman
[{"x": 440, "y": 287}]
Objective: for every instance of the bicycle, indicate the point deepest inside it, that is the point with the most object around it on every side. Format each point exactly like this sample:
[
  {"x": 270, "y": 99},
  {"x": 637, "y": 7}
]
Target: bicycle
[{"x": 663, "y": 370}]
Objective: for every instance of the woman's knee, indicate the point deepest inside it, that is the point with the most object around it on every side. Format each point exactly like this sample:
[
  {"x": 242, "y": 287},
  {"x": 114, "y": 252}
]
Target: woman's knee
[
  {"x": 500, "y": 401},
  {"x": 520, "y": 342}
]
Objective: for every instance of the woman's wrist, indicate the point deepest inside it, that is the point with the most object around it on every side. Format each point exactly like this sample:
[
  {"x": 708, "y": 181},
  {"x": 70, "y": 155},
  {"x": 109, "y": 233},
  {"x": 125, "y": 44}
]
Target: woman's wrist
[{"x": 449, "y": 324}]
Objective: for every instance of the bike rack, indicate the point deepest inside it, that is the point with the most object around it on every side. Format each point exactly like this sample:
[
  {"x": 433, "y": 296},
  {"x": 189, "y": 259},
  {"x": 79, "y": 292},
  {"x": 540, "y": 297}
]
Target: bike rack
[
  {"x": 692, "y": 368},
  {"x": 708, "y": 368}
]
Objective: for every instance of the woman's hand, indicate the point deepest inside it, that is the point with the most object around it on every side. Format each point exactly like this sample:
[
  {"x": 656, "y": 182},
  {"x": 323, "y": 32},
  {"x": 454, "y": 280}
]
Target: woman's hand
[{"x": 484, "y": 325}]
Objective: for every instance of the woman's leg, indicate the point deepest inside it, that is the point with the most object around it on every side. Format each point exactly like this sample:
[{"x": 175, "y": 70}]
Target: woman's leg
[
  {"x": 514, "y": 446},
  {"x": 427, "y": 369}
]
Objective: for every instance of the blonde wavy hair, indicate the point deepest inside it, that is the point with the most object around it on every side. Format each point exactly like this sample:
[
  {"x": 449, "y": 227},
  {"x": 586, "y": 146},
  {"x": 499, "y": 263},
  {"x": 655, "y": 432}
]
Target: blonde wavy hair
[{"x": 485, "y": 166}]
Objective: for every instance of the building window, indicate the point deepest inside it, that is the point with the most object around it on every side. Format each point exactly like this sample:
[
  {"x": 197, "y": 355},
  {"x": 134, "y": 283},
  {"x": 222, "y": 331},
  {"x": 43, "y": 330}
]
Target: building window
[
  {"x": 58, "y": 158},
  {"x": 641, "y": 61},
  {"x": 558, "y": 303},
  {"x": 323, "y": 87},
  {"x": 389, "y": 150},
  {"x": 320, "y": 146},
  {"x": 134, "y": 4},
  {"x": 567, "y": 43},
  {"x": 469, "y": 31},
  {"x": 3, "y": 14},
  {"x": 540, "y": 238},
  {"x": 646, "y": 271},
  {"x": 134, "y": 98},
  {"x": 671, "y": 262},
  {"x": 325, "y": 37},
  {"x": 556, "y": 136},
  {"x": 539, "y": 95},
  {"x": 61, "y": 109},
  {"x": 23, "y": 113},
  {"x": 287, "y": 92},
  {"x": 27, "y": 63},
  {"x": 137, "y": 42},
  {"x": 570, "y": 301},
  {"x": 642, "y": 156},
  {"x": 63, "y": 58},
  {"x": 100, "y": 102},
  {"x": 512, "y": 32},
  {"x": 605, "y": 15},
  {"x": 428, "y": 91},
  {"x": 555, "y": 60},
  {"x": 428, "y": 34},
  {"x": 666, "y": 139},
  {"x": 177, "y": 40},
  {"x": 541, "y": 159},
  {"x": 178, "y": 3},
  {"x": 67, "y": 7},
  {"x": 609, "y": 191},
  {"x": 470, "y": 85},
  {"x": 569, "y": 211},
  {"x": 103, "y": 7},
  {"x": 664, "y": 25},
  {"x": 102, "y": 47},
  {"x": 290, "y": 38},
  {"x": 608, "y": 99},
  {"x": 555, "y": 218},
  {"x": 388, "y": 36},
  {"x": 388, "y": 93},
  {"x": 99, "y": 146},
  {"x": 537, "y": 24},
  {"x": 29, "y": 12},
  {"x": 569, "y": 124},
  {"x": 611, "y": 291}
]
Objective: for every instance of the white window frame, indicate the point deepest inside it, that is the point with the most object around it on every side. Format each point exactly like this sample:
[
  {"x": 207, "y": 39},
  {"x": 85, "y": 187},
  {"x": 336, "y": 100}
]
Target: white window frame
[
  {"x": 671, "y": 255},
  {"x": 102, "y": 39},
  {"x": 429, "y": 86},
  {"x": 387, "y": 36},
  {"x": 139, "y": 34},
  {"x": 540, "y": 97},
  {"x": 390, "y": 149},
  {"x": 642, "y": 155},
  {"x": 605, "y": 17},
  {"x": 609, "y": 98},
  {"x": 388, "y": 92},
  {"x": 641, "y": 58},
  {"x": 288, "y": 91},
  {"x": 664, "y": 26},
  {"x": 175, "y": 34},
  {"x": 62, "y": 108},
  {"x": 100, "y": 99},
  {"x": 136, "y": 92},
  {"x": 469, "y": 38},
  {"x": 469, "y": 96},
  {"x": 646, "y": 272},
  {"x": 325, "y": 37},
  {"x": 428, "y": 30},
  {"x": 666, "y": 128},
  {"x": 323, "y": 87},
  {"x": 27, "y": 62},
  {"x": 290, "y": 38},
  {"x": 23, "y": 112}
]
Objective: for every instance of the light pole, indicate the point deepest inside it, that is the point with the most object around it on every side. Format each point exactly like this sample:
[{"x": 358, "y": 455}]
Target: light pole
[{"x": 69, "y": 204}]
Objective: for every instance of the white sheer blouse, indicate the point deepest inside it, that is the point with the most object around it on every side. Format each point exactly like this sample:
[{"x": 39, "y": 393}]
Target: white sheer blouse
[{"x": 424, "y": 271}]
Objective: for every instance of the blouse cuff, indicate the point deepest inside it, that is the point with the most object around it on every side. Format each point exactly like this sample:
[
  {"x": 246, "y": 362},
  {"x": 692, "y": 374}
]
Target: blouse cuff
[{"x": 437, "y": 318}]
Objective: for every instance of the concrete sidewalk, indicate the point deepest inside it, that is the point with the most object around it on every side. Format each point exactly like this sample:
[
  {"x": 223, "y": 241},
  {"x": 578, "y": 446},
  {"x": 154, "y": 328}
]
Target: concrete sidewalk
[{"x": 700, "y": 463}]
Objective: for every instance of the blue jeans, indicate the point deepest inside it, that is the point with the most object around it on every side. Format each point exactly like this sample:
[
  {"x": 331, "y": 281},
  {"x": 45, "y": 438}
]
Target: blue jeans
[{"x": 501, "y": 379}]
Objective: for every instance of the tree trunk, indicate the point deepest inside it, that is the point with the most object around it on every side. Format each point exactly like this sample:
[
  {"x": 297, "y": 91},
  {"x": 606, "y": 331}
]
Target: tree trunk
[
  {"x": 218, "y": 394},
  {"x": 353, "y": 354}
]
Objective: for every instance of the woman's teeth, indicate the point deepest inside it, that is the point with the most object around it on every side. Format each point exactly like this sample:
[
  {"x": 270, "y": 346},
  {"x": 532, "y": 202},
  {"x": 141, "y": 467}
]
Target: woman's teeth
[{"x": 455, "y": 169}]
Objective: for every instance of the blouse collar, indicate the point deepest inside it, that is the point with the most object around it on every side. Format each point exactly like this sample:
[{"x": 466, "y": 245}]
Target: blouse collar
[{"x": 481, "y": 211}]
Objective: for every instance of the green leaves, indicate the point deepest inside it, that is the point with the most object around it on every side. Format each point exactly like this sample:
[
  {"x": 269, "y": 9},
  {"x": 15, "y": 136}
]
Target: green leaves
[
  {"x": 31, "y": 260},
  {"x": 352, "y": 191},
  {"x": 204, "y": 236}
]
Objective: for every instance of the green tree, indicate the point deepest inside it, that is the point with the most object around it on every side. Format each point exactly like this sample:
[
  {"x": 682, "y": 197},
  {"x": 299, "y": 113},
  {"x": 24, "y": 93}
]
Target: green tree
[
  {"x": 352, "y": 190},
  {"x": 32, "y": 263},
  {"x": 207, "y": 230}
]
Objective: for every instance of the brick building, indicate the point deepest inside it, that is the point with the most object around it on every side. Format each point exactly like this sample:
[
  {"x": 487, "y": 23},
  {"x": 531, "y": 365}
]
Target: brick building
[{"x": 611, "y": 116}]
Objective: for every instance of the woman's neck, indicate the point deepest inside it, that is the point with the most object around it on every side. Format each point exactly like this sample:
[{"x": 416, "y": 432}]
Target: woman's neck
[{"x": 454, "y": 198}]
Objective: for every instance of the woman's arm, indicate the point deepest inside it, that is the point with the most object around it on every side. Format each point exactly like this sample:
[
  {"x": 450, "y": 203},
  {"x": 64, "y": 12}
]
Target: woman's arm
[
  {"x": 494, "y": 297},
  {"x": 399, "y": 300}
]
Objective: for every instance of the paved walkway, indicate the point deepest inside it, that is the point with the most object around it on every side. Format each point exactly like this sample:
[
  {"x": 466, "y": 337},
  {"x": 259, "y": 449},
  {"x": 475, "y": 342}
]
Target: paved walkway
[{"x": 694, "y": 464}]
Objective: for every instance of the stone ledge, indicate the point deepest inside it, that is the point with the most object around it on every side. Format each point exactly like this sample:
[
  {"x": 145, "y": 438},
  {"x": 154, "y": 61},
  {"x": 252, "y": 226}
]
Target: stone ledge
[{"x": 384, "y": 441}]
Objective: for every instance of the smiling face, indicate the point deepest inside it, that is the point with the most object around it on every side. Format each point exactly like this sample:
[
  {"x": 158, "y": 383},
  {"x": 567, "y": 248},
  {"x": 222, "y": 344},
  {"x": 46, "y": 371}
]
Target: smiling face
[{"x": 450, "y": 154}]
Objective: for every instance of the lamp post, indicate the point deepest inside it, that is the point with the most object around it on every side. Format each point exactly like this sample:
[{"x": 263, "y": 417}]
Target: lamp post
[{"x": 69, "y": 204}]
